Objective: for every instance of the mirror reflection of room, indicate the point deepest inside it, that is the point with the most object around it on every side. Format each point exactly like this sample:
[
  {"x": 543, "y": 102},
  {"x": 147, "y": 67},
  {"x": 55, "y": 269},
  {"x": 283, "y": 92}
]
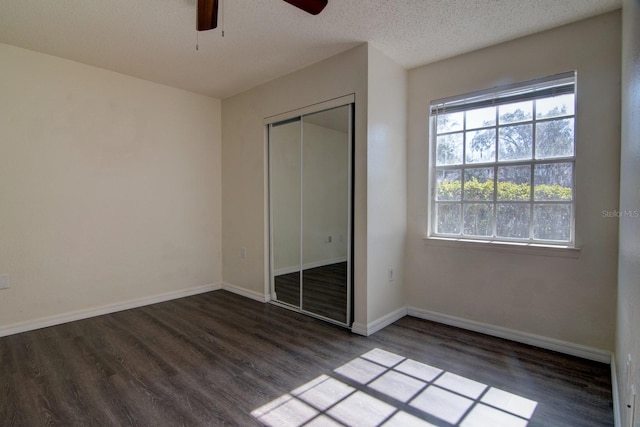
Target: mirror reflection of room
[{"x": 310, "y": 183}]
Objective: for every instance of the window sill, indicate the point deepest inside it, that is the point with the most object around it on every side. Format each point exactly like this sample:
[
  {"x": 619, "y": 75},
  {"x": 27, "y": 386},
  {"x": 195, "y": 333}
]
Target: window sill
[{"x": 505, "y": 247}]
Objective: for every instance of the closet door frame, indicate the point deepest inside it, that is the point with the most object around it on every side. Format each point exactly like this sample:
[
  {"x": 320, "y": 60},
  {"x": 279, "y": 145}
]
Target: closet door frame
[{"x": 348, "y": 100}]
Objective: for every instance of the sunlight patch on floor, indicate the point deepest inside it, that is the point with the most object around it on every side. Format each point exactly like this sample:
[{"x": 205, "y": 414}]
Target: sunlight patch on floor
[{"x": 381, "y": 388}]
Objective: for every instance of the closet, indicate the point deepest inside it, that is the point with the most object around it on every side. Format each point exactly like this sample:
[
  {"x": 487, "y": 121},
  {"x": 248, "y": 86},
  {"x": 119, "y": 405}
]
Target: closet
[{"x": 310, "y": 204}]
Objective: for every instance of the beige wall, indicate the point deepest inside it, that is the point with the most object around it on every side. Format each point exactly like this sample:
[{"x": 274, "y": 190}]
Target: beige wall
[
  {"x": 628, "y": 333},
  {"x": 387, "y": 184},
  {"x": 244, "y": 165},
  {"x": 110, "y": 188},
  {"x": 568, "y": 299}
]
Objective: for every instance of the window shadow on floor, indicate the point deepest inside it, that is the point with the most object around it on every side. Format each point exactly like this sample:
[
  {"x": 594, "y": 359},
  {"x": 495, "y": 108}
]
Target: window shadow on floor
[{"x": 380, "y": 388}]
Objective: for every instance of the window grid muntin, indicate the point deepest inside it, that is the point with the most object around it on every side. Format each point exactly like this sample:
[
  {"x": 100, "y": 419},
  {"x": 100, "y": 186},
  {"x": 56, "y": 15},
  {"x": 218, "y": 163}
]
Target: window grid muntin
[
  {"x": 464, "y": 166},
  {"x": 524, "y": 122}
]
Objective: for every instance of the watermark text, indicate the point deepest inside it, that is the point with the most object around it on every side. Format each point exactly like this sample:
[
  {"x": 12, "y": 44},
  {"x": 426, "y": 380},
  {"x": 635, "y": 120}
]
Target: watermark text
[{"x": 621, "y": 214}]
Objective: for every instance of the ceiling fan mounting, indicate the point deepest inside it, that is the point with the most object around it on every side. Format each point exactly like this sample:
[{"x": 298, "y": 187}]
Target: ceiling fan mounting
[
  {"x": 313, "y": 7},
  {"x": 208, "y": 11}
]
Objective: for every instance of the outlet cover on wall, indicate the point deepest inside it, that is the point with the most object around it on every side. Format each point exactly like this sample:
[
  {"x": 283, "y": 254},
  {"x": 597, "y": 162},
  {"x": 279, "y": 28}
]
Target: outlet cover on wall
[
  {"x": 391, "y": 274},
  {"x": 4, "y": 281}
]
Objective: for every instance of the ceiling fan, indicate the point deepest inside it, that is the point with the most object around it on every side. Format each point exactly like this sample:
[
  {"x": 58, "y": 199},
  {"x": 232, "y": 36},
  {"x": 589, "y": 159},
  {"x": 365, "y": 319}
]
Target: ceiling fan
[{"x": 208, "y": 11}]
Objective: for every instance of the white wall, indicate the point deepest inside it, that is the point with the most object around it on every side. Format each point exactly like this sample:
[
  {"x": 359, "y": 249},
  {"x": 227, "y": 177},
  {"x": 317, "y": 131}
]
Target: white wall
[
  {"x": 628, "y": 331},
  {"x": 568, "y": 299},
  {"x": 110, "y": 188},
  {"x": 386, "y": 184},
  {"x": 244, "y": 165}
]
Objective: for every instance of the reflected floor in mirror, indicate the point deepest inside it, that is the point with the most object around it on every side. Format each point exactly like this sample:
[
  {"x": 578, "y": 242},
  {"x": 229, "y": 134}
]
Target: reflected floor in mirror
[
  {"x": 222, "y": 359},
  {"x": 324, "y": 290}
]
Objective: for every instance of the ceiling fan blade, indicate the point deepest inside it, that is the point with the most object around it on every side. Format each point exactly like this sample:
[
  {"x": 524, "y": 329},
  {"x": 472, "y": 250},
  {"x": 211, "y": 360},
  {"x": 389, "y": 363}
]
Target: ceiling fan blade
[
  {"x": 313, "y": 7},
  {"x": 207, "y": 15}
]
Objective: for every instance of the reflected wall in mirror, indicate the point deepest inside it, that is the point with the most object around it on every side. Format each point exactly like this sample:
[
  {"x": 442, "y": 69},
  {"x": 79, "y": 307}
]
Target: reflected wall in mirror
[
  {"x": 310, "y": 213},
  {"x": 286, "y": 198}
]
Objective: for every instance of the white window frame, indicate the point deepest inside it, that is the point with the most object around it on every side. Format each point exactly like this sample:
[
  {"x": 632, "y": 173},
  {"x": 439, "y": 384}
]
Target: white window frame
[{"x": 564, "y": 83}]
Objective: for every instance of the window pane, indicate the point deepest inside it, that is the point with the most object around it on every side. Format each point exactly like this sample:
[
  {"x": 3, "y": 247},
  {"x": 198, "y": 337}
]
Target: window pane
[
  {"x": 563, "y": 105},
  {"x": 514, "y": 183},
  {"x": 553, "y": 181},
  {"x": 481, "y": 146},
  {"x": 449, "y": 122},
  {"x": 504, "y": 168},
  {"x": 554, "y": 138},
  {"x": 449, "y": 185},
  {"x": 449, "y": 149},
  {"x": 512, "y": 220},
  {"x": 478, "y": 219},
  {"x": 448, "y": 218},
  {"x": 552, "y": 222},
  {"x": 514, "y": 142},
  {"x": 478, "y": 184},
  {"x": 481, "y": 117},
  {"x": 517, "y": 112}
]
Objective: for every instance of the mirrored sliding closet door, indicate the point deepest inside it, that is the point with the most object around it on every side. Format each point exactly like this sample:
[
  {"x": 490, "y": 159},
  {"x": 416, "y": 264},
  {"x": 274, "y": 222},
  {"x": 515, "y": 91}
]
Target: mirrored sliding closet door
[{"x": 310, "y": 205}]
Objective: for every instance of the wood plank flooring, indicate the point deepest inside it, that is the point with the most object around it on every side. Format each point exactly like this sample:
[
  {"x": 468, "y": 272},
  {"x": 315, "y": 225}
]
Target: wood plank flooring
[
  {"x": 324, "y": 290},
  {"x": 220, "y": 359}
]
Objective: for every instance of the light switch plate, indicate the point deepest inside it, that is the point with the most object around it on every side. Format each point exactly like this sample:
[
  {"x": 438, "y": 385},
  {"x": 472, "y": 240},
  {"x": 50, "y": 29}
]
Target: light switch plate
[{"x": 4, "y": 282}]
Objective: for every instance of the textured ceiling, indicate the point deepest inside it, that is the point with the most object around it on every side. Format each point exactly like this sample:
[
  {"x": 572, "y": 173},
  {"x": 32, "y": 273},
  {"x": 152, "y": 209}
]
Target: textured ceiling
[{"x": 265, "y": 39}]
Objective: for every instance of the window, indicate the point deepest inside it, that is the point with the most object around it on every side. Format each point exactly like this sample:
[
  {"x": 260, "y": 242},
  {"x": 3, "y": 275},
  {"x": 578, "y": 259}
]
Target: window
[{"x": 503, "y": 163}]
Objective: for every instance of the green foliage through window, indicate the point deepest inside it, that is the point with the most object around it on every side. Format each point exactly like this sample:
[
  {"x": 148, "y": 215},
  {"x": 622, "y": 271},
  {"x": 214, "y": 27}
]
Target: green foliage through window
[{"x": 507, "y": 191}]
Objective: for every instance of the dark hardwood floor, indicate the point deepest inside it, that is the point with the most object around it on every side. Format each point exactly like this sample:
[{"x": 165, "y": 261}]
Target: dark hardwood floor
[
  {"x": 221, "y": 359},
  {"x": 324, "y": 290}
]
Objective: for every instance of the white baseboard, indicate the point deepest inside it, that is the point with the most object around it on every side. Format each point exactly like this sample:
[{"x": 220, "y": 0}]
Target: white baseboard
[
  {"x": 307, "y": 266},
  {"x": 246, "y": 292},
  {"x": 359, "y": 328},
  {"x": 59, "y": 319},
  {"x": 566, "y": 347},
  {"x": 376, "y": 325},
  {"x": 617, "y": 421}
]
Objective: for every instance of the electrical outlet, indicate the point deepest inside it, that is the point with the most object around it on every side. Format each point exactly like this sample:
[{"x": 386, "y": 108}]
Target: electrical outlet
[
  {"x": 4, "y": 282},
  {"x": 243, "y": 252}
]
